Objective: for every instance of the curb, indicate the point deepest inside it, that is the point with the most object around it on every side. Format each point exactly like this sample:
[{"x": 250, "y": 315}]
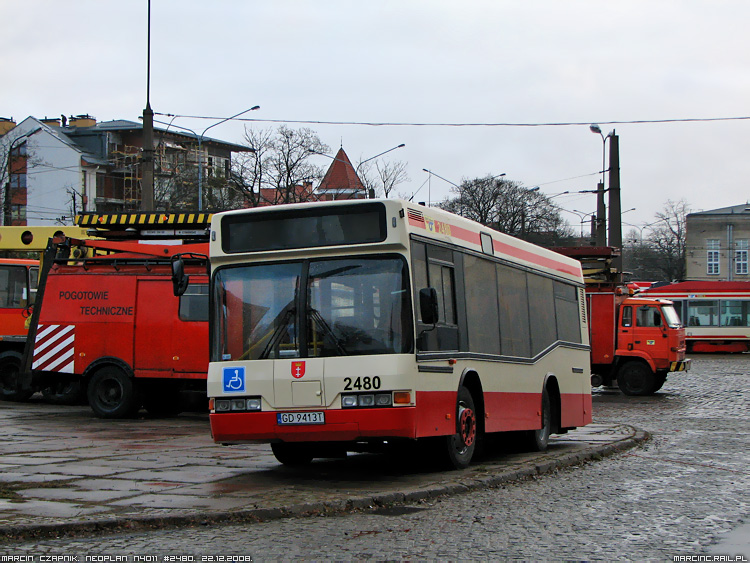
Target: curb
[{"x": 146, "y": 523}]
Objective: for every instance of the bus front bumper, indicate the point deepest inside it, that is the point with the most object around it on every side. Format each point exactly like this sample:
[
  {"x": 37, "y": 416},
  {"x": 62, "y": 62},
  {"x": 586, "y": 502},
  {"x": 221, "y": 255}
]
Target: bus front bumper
[{"x": 341, "y": 425}]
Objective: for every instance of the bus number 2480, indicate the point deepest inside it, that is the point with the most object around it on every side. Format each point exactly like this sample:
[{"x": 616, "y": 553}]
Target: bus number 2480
[{"x": 361, "y": 383}]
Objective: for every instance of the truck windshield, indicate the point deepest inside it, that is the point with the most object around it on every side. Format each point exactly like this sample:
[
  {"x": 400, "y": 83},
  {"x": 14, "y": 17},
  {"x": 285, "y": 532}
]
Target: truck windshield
[
  {"x": 670, "y": 316},
  {"x": 312, "y": 308}
]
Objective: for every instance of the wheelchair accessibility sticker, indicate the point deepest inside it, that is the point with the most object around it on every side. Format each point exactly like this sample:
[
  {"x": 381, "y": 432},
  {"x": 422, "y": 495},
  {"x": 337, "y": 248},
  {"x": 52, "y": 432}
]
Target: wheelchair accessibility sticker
[{"x": 234, "y": 379}]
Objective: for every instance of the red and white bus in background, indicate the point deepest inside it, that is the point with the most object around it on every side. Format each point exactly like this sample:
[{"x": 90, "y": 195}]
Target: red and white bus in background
[
  {"x": 344, "y": 325},
  {"x": 716, "y": 314}
]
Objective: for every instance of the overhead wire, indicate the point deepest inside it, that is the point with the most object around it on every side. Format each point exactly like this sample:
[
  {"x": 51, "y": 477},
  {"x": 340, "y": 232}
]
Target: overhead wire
[{"x": 466, "y": 124}]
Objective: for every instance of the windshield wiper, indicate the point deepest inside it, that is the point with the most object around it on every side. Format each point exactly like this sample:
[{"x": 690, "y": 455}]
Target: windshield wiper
[
  {"x": 278, "y": 332},
  {"x": 327, "y": 330}
]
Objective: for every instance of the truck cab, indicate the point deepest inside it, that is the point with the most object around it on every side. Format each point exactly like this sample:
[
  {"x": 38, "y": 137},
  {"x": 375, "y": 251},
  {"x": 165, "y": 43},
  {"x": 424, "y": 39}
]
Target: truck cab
[{"x": 650, "y": 333}]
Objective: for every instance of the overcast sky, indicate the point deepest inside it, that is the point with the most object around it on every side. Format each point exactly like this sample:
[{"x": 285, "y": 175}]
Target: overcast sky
[{"x": 408, "y": 61}]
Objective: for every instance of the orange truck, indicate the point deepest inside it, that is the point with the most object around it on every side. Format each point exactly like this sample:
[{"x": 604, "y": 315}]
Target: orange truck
[
  {"x": 110, "y": 324},
  {"x": 635, "y": 341}
]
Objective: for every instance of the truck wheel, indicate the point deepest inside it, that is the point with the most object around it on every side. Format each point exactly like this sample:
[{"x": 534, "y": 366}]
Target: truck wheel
[
  {"x": 292, "y": 453},
  {"x": 10, "y": 380},
  {"x": 537, "y": 440},
  {"x": 459, "y": 448},
  {"x": 112, "y": 394},
  {"x": 659, "y": 381},
  {"x": 635, "y": 378},
  {"x": 64, "y": 393}
]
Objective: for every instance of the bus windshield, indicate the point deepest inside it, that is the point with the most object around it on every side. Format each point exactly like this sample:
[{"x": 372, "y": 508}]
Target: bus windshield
[{"x": 312, "y": 308}]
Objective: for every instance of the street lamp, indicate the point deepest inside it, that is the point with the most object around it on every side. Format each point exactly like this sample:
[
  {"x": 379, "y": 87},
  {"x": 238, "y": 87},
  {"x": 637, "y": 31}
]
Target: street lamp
[
  {"x": 429, "y": 185},
  {"x": 200, "y": 143},
  {"x": 594, "y": 128},
  {"x": 200, "y": 153},
  {"x": 431, "y": 173},
  {"x": 523, "y": 210},
  {"x": 582, "y": 216}
]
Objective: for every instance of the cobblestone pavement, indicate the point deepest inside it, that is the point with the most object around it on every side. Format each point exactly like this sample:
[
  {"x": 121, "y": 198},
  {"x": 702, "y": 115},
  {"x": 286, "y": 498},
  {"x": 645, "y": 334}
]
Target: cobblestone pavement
[{"x": 685, "y": 492}]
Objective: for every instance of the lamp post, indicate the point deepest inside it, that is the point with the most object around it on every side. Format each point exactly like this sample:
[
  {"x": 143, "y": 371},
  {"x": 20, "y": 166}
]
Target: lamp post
[
  {"x": 200, "y": 141},
  {"x": 200, "y": 153},
  {"x": 523, "y": 210},
  {"x": 601, "y": 209},
  {"x": 582, "y": 216},
  {"x": 460, "y": 191}
]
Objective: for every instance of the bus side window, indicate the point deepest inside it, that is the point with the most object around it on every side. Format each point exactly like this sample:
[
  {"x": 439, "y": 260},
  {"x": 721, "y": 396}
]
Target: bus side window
[
  {"x": 627, "y": 316},
  {"x": 442, "y": 279},
  {"x": 419, "y": 272}
]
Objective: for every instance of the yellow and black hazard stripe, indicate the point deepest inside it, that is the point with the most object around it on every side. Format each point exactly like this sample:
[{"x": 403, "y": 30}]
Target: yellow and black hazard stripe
[{"x": 143, "y": 220}]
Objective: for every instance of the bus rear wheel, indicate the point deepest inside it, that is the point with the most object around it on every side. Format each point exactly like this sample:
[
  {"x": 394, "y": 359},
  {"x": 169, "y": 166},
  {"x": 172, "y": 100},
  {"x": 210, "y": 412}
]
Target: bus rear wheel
[
  {"x": 538, "y": 440},
  {"x": 10, "y": 377},
  {"x": 112, "y": 394},
  {"x": 459, "y": 448}
]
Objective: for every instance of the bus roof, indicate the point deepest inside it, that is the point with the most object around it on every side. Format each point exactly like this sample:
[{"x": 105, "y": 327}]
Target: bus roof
[{"x": 438, "y": 225}]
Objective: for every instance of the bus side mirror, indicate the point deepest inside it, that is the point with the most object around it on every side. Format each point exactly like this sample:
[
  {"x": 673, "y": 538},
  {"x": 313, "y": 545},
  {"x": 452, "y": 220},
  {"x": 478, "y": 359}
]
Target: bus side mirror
[
  {"x": 428, "y": 305},
  {"x": 179, "y": 279}
]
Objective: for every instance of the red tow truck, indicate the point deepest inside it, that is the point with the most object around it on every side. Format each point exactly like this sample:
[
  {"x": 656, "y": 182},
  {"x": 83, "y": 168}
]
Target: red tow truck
[
  {"x": 635, "y": 341},
  {"x": 110, "y": 324}
]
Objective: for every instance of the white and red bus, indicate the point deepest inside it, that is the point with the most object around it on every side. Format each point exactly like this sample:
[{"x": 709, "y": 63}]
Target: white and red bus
[
  {"x": 343, "y": 325},
  {"x": 716, "y": 314}
]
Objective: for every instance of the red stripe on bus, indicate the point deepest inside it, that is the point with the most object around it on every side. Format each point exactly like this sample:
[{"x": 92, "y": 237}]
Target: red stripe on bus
[
  {"x": 435, "y": 416},
  {"x": 504, "y": 248}
]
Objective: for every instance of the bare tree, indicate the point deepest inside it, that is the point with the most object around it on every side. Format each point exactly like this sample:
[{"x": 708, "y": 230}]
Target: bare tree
[
  {"x": 279, "y": 170},
  {"x": 385, "y": 177},
  {"x": 16, "y": 160},
  {"x": 668, "y": 239},
  {"x": 509, "y": 207}
]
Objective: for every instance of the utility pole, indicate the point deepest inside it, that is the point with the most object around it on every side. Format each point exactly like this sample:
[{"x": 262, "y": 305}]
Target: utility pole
[
  {"x": 615, "y": 210},
  {"x": 601, "y": 214},
  {"x": 147, "y": 159}
]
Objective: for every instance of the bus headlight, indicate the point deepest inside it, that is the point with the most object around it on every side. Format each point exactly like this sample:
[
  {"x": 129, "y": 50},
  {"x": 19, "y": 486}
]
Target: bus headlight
[
  {"x": 223, "y": 405},
  {"x": 383, "y": 399},
  {"x": 367, "y": 400},
  {"x": 236, "y": 404},
  {"x": 349, "y": 401}
]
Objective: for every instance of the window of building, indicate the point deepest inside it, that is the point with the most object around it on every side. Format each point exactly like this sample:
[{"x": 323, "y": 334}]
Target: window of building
[
  {"x": 712, "y": 257},
  {"x": 740, "y": 256}
]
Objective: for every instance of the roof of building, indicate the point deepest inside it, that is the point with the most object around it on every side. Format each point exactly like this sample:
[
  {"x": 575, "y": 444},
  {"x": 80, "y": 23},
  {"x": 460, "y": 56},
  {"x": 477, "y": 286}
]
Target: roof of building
[
  {"x": 732, "y": 210},
  {"x": 341, "y": 176},
  {"x": 126, "y": 125}
]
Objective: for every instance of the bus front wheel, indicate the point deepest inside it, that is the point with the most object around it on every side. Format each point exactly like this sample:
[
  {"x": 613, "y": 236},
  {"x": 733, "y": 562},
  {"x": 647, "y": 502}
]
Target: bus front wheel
[
  {"x": 459, "y": 447},
  {"x": 292, "y": 453}
]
